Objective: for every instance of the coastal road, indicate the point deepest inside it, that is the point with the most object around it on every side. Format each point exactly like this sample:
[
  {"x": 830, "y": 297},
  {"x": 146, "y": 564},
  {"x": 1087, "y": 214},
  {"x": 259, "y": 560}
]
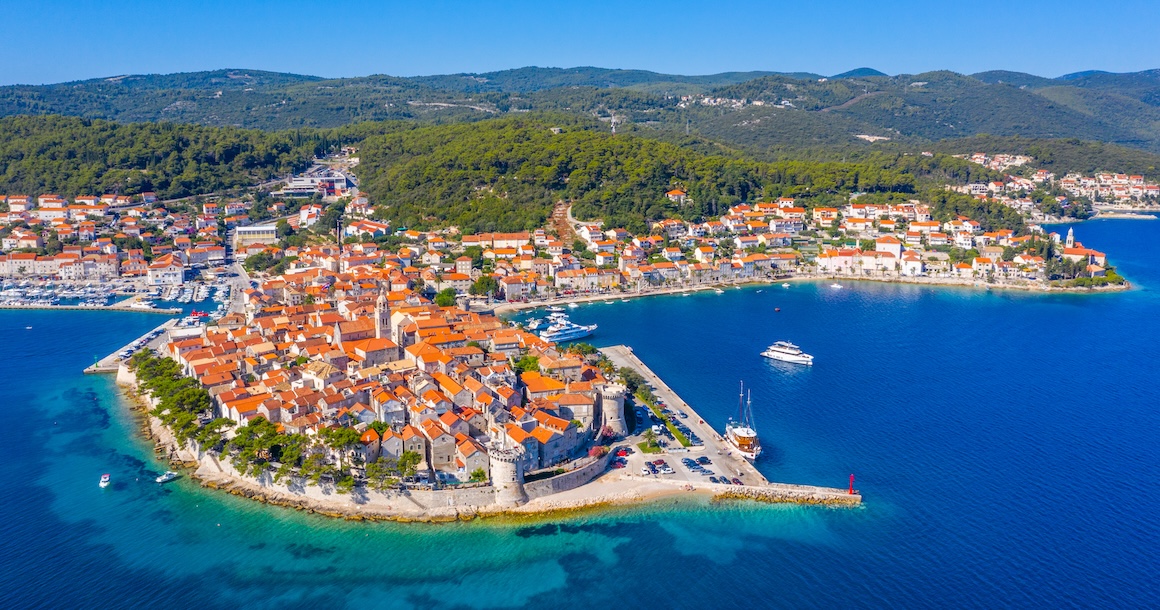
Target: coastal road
[{"x": 726, "y": 461}]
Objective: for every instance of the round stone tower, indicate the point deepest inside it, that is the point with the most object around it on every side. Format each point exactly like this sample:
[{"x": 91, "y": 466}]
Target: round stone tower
[
  {"x": 612, "y": 408},
  {"x": 507, "y": 476}
]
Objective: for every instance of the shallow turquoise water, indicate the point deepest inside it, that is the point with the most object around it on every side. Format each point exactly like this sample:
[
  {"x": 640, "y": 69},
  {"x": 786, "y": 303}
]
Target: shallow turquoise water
[{"x": 1006, "y": 445}]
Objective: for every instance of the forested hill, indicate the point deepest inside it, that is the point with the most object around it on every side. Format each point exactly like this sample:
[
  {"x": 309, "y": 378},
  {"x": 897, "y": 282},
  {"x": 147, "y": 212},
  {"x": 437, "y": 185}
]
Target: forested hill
[
  {"x": 499, "y": 174},
  {"x": 797, "y": 112},
  {"x": 72, "y": 156},
  {"x": 506, "y": 174}
]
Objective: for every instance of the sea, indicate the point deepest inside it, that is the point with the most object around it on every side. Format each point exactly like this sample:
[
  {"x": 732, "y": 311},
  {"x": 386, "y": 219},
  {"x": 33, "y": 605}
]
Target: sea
[{"x": 1007, "y": 446}]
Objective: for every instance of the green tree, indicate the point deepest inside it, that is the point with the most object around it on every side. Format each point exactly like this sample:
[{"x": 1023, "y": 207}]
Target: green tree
[
  {"x": 478, "y": 475},
  {"x": 445, "y": 297},
  {"x": 485, "y": 285},
  {"x": 382, "y": 473},
  {"x": 527, "y": 364},
  {"x": 408, "y": 461}
]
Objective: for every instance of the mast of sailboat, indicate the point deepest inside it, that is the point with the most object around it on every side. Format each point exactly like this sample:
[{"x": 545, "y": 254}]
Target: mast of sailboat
[
  {"x": 749, "y": 411},
  {"x": 741, "y": 405}
]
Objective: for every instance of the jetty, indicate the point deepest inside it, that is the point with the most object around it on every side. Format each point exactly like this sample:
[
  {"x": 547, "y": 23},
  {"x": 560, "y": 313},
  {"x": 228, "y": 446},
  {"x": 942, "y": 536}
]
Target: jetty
[
  {"x": 726, "y": 460},
  {"x": 110, "y": 363},
  {"x": 114, "y": 307}
]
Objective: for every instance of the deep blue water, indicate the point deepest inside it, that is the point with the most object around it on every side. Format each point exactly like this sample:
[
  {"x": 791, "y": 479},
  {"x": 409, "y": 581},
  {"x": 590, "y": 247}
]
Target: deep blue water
[{"x": 1006, "y": 444}]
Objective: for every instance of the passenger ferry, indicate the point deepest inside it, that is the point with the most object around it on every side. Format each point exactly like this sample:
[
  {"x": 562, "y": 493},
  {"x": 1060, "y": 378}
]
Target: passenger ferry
[
  {"x": 787, "y": 352},
  {"x": 742, "y": 434}
]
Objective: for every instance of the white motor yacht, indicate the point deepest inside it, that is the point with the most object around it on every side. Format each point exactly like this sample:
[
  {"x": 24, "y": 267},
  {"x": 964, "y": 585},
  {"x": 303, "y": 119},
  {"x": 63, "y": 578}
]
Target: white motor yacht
[{"x": 787, "y": 352}]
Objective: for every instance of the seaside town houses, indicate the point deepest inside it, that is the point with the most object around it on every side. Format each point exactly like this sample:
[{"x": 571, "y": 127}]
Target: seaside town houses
[
  {"x": 111, "y": 236},
  {"x": 440, "y": 378}
]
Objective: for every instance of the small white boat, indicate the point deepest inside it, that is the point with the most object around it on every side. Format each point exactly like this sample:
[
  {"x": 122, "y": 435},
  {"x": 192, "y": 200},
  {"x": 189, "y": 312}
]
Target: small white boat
[
  {"x": 167, "y": 477},
  {"x": 623, "y": 300},
  {"x": 785, "y": 285},
  {"x": 572, "y": 306},
  {"x": 27, "y": 328},
  {"x": 556, "y": 309},
  {"x": 718, "y": 291},
  {"x": 836, "y": 286},
  {"x": 105, "y": 480},
  {"x": 760, "y": 291}
]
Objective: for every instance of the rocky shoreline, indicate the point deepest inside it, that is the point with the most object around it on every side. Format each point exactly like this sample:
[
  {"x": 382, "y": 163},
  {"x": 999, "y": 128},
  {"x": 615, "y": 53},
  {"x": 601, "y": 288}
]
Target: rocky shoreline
[{"x": 606, "y": 491}]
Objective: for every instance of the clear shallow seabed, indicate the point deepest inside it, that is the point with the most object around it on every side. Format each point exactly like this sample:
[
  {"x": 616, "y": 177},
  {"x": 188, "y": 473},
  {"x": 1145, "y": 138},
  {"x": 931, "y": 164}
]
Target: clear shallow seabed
[{"x": 1007, "y": 446}]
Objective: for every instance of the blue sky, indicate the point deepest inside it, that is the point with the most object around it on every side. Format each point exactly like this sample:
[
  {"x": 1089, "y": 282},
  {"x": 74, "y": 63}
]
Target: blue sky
[{"x": 46, "y": 41}]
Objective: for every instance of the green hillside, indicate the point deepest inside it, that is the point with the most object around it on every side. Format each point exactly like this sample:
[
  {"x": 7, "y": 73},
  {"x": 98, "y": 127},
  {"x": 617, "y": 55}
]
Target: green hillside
[
  {"x": 72, "y": 156},
  {"x": 799, "y": 114},
  {"x": 506, "y": 174}
]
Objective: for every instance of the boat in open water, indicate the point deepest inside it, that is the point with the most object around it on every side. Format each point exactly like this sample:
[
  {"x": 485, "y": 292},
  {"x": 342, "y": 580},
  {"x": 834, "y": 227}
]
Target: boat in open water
[
  {"x": 787, "y": 352},
  {"x": 167, "y": 477},
  {"x": 741, "y": 433},
  {"x": 105, "y": 480}
]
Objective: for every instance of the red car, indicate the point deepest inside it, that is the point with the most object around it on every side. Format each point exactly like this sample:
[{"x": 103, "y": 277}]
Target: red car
[
  {"x": 659, "y": 462},
  {"x": 622, "y": 452}
]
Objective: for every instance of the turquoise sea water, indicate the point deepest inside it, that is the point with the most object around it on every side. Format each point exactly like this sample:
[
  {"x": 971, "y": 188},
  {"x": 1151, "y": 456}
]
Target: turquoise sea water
[{"x": 1007, "y": 446}]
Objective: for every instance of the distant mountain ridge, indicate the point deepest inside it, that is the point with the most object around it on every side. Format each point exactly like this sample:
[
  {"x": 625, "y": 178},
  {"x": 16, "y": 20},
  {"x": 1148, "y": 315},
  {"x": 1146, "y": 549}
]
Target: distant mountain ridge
[{"x": 770, "y": 113}]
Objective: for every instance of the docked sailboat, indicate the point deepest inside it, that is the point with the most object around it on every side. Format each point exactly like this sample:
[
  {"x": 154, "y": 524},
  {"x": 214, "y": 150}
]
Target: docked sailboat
[
  {"x": 787, "y": 352},
  {"x": 742, "y": 434}
]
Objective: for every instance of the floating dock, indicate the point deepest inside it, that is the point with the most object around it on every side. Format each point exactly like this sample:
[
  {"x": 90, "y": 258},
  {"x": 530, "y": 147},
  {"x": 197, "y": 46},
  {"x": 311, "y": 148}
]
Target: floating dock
[{"x": 725, "y": 459}]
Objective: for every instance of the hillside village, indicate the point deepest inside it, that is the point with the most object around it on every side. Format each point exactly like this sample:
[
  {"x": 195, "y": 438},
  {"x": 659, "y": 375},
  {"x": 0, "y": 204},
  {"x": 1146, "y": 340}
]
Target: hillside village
[
  {"x": 111, "y": 236},
  {"x": 1101, "y": 189}
]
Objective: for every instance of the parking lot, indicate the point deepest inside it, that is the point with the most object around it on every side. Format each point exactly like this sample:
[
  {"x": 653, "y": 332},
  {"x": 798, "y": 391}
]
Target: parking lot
[{"x": 725, "y": 460}]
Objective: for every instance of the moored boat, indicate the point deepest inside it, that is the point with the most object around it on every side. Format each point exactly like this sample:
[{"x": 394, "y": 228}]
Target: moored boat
[
  {"x": 567, "y": 331},
  {"x": 105, "y": 480},
  {"x": 167, "y": 477},
  {"x": 742, "y": 434}
]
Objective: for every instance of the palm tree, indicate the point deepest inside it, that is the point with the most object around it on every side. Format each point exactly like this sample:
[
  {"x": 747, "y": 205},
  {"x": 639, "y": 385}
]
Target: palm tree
[{"x": 650, "y": 437}]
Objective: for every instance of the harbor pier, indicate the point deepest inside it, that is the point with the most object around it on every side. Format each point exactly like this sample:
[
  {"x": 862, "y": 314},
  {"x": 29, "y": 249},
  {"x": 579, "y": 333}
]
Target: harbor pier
[
  {"x": 726, "y": 460},
  {"x": 110, "y": 363},
  {"x": 115, "y": 307}
]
